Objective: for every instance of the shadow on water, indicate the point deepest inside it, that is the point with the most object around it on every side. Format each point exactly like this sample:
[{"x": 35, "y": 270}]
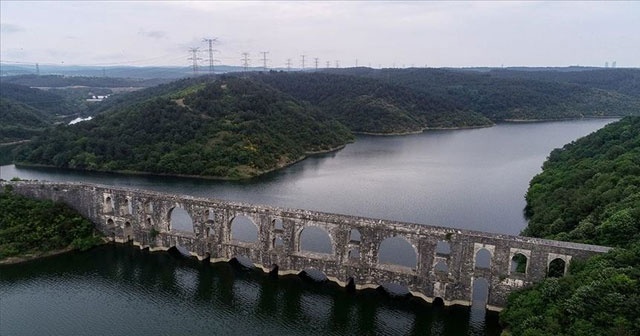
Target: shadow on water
[{"x": 163, "y": 293}]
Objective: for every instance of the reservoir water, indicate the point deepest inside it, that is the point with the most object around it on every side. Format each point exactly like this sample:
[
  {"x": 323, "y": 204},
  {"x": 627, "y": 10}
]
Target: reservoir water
[{"x": 474, "y": 179}]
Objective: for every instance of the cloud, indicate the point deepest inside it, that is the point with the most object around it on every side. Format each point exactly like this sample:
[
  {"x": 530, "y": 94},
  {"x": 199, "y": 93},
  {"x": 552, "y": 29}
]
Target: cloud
[
  {"x": 155, "y": 34},
  {"x": 9, "y": 28}
]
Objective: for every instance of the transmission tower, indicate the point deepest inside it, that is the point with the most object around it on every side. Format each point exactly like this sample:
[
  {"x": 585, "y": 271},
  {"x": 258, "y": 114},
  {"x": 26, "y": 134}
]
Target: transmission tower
[
  {"x": 316, "y": 62},
  {"x": 37, "y": 69},
  {"x": 264, "y": 60},
  {"x": 245, "y": 61},
  {"x": 194, "y": 57},
  {"x": 337, "y": 63},
  {"x": 211, "y": 41},
  {"x": 288, "y": 64},
  {"x": 328, "y": 64},
  {"x": 356, "y": 62},
  {"x": 302, "y": 61}
]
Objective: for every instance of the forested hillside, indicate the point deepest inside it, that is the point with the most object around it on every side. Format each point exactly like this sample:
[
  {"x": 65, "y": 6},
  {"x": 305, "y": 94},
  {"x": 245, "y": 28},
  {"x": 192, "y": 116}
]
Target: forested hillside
[
  {"x": 625, "y": 81},
  {"x": 500, "y": 98},
  {"x": 371, "y": 106},
  {"x": 230, "y": 128},
  {"x": 25, "y": 112},
  {"x": 589, "y": 191},
  {"x": 29, "y": 226}
]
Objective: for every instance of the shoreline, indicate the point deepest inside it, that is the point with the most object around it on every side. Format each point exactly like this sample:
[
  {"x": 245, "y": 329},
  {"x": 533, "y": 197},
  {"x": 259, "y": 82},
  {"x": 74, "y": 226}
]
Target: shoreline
[
  {"x": 424, "y": 129},
  {"x": 205, "y": 177},
  {"x": 525, "y": 121},
  {"x": 34, "y": 256}
]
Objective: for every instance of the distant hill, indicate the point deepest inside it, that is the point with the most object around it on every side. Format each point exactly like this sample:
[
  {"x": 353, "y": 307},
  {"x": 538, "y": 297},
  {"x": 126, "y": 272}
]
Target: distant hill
[
  {"x": 534, "y": 95},
  {"x": 372, "y": 106},
  {"x": 57, "y": 81},
  {"x": 25, "y": 112},
  {"x": 230, "y": 128}
]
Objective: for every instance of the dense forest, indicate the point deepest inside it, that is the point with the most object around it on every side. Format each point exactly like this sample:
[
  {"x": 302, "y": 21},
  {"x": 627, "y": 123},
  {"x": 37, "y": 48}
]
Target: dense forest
[
  {"x": 501, "y": 98},
  {"x": 589, "y": 192},
  {"x": 371, "y": 106},
  {"x": 230, "y": 128},
  {"x": 326, "y": 106},
  {"x": 32, "y": 227}
]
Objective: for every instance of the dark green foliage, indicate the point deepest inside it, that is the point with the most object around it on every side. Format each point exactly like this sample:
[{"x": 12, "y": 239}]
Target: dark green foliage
[
  {"x": 599, "y": 297},
  {"x": 516, "y": 98},
  {"x": 32, "y": 226},
  {"x": 589, "y": 191},
  {"x": 232, "y": 128},
  {"x": 371, "y": 106}
]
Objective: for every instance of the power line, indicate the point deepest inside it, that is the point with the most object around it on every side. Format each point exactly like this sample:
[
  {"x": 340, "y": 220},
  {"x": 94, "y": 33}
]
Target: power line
[
  {"x": 264, "y": 60},
  {"x": 194, "y": 57},
  {"x": 211, "y": 41},
  {"x": 245, "y": 61}
]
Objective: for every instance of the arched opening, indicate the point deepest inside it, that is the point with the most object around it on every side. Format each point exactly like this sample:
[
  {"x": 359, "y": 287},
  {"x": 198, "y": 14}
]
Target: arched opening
[
  {"x": 483, "y": 259},
  {"x": 480, "y": 292},
  {"x": 209, "y": 215},
  {"x": 149, "y": 207},
  {"x": 128, "y": 231},
  {"x": 128, "y": 210},
  {"x": 243, "y": 261},
  {"x": 184, "y": 251},
  {"x": 243, "y": 229},
  {"x": 277, "y": 224},
  {"x": 111, "y": 227},
  {"x": 354, "y": 253},
  {"x": 315, "y": 239},
  {"x": 277, "y": 242},
  {"x": 207, "y": 231},
  {"x": 479, "y": 298},
  {"x": 180, "y": 220},
  {"x": 313, "y": 274},
  {"x": 396, "y": 289},
  {"x": 518, "y": 264},
  {"x": 108, "y": 204},
  {"x": 149, "y": 223},
  {"x": 397, "y": 251},
  {"x": 441, "y": 267},
  {"x": 556, "y": 268},
  {"x": 354, "y": 236},
  {"x": 443, "y": 248},
  {"x": 438, "y": 302}
]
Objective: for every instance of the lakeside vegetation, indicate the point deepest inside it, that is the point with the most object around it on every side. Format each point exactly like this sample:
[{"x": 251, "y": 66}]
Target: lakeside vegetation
[
  {"x": 230, "y": 128},
  {"x": 31, "y": 227},
  {"x": 264, "y": 121},
  {"x": 588, "y": 192}
]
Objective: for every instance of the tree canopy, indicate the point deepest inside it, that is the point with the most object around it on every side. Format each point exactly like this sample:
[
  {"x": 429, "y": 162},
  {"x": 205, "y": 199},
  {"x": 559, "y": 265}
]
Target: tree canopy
[
  {"x": 230, "y": 128},
  {"x": 589, "y": 192}
]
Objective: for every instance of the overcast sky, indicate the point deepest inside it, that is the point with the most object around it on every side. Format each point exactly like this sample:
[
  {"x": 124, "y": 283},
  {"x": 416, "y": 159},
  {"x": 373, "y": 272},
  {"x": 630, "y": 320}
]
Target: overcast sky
[{"x": 435, "y": 34}]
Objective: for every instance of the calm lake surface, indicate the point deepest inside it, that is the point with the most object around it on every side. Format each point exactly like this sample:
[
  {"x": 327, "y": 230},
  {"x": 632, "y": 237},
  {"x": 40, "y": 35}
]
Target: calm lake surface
[{"x": 474, "y": 179}]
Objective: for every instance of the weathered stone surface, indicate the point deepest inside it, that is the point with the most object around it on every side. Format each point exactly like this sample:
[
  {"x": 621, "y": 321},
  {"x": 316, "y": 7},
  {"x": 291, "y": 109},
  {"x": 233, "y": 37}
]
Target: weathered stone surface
[{"x": 144, "y": 218}]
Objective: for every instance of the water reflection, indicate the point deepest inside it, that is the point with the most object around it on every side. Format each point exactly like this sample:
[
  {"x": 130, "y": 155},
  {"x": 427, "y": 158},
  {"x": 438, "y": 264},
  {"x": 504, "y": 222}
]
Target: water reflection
[{"x": 156, "y": 293}]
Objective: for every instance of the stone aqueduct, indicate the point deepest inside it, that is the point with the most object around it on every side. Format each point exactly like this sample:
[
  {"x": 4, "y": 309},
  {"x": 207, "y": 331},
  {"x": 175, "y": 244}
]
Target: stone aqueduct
[{"x": 144, "y": 218}]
